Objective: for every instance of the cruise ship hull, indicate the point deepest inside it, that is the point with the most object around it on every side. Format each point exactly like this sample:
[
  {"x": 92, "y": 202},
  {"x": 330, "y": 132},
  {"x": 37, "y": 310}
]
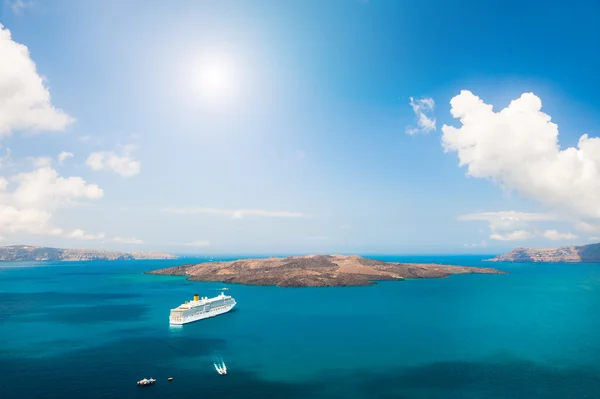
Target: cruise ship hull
[{"x": 204, "y": 315}]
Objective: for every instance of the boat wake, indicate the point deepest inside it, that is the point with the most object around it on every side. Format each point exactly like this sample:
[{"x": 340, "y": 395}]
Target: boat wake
[{"x": 220, "y": 367}]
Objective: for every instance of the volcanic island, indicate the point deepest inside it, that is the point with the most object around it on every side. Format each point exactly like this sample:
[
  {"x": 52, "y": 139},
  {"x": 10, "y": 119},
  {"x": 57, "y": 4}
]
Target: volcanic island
[{"x": 315, "y": 271}]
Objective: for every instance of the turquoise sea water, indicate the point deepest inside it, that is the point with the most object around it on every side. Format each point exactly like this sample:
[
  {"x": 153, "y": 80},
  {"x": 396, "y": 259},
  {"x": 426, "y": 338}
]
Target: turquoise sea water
[{"x": 92, "y": 329}]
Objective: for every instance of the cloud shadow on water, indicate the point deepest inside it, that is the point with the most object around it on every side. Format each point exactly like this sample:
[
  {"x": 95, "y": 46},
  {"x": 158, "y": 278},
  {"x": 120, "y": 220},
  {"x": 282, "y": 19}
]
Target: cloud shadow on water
[
  {"x": 23, "y": 305},
  {"x": 509, "y": 379},
  {"x": 88, "y": 314},
  {"x": 111, "y": 370}
]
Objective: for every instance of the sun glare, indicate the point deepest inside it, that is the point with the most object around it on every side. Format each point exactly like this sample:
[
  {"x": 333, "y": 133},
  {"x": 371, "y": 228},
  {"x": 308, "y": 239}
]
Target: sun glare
[{"x": 217, "y": 80}]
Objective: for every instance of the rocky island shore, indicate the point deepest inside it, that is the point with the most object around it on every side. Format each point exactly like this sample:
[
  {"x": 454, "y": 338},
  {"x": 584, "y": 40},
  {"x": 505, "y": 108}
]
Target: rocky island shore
[
  {"x": 314, "y": 271},
  {"x": 576, "y": 254},
  {"x": 28, "y": 253}
]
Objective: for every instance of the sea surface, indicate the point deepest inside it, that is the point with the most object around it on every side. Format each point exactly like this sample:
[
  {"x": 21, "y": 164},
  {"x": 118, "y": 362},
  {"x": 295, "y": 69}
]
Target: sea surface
[{"x": 92, "y": 329}]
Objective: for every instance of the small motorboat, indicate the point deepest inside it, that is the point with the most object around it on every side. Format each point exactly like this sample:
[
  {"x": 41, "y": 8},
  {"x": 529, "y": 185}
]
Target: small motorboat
[
  {"x": 221, "y": 369},
  {"x": 170, "y": 379},
  {"x": 146, "y": 381}
]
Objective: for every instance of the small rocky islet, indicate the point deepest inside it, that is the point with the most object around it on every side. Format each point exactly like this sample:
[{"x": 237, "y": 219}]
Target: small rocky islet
[{"x": 315, "y": 271}]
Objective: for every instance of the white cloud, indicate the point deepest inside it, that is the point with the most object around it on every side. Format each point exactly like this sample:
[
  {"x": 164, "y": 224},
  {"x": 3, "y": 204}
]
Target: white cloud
[
  {"x": 199, "y": 243},
  {"x": 516, "y": 235},
  {"x": 29, "y": 207},
  {"x": 29, "y": 200},
  {"x": 597, "y": 239},
  {"x": 516, "y": 226},
  {"x": 82, "y": 235},
  {"x": 36, "y": 222},
  {"x": 40, "y": 162},
  {"x": 509, "y": 225},
  {"x": 317, "y": 238},
  {"x": 44, "y": 188},
  {"x": 510, "y": 216},
  {"x": 555, "y": 235},
  {"x": 123, "y": 163},
  {"x": 422, "y": 108},
  {"x": 125, "y": 240},
  {"x": 235, "y": 213},
  {"x": 518, "y": 149},
  {"x": 25, "y": 100},
  {"x": 63, "y": 156},
  {"x": 28, "y": 220}
]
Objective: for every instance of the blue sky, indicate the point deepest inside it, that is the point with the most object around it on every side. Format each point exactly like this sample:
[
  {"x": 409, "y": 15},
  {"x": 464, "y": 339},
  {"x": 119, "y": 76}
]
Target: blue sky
[{"x": 287, "y": 127}]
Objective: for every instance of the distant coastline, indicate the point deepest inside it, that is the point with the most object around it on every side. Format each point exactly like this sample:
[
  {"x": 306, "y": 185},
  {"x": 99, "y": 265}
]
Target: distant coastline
[
  {"x": 30, "y": 253},
  {"x": 314, "y": 271},
  {"x": 570, "y": 254}
]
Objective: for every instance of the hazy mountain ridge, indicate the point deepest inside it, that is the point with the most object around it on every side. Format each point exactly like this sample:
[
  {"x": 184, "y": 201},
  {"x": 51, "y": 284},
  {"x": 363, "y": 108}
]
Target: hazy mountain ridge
[
  {"x": 20, "y": 253},
  {"x": 576, "y": 254}
]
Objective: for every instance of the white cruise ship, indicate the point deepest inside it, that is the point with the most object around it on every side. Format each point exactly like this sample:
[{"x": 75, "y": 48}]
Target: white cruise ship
[{"x": 201, "y": 308}]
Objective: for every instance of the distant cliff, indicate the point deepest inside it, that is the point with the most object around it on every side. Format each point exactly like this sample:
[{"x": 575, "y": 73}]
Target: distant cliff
[
  {"x": 585, "y": 253},
  {"x": 315, "y": 271},
  {"x": 19, "y": 253}
]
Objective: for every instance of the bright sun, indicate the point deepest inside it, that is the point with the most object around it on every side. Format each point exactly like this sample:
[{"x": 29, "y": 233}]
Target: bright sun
[{"x": 217, "y": 80}]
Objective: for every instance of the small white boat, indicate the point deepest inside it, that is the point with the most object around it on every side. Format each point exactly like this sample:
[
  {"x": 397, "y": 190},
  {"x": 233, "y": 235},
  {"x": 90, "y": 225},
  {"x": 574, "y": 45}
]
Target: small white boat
[{"x": 146, "y": 381}]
